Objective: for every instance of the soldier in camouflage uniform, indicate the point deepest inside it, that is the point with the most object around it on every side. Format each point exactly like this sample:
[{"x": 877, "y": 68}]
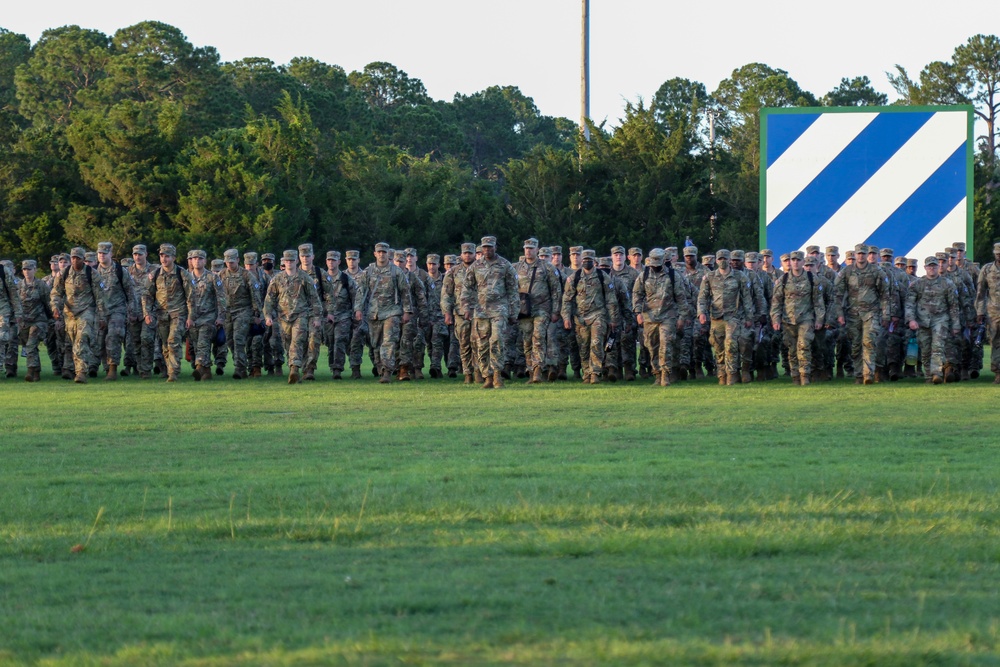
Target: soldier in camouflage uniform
[
  {"x": 661, "y": 306},
  {"x": 758, "y": 309},
  {"x": 452, "y": 355},
  {"x": 256, "y": 345},
  {"x": 339, "y": 314},
  {"x": 55, "y": 336},
  {"x": 241, "y": 291},
  {"x": 964, "y": 283},
  {"x": 613, "y": 358},
  {"x": 932, "y": 311},
  {"x": 570, "y": 351},
  {"x": 384, "y": 295},
  {"x": 121, "y": 306},
  {"x": 76, "y": 301},
  {"x": 798, "y": 309},
  {"x": 489, "y": 298},
  {"x": 167, "y": 303},
  {"x": 988, "y": 308},
  {"x": 895, "y": 333},
  {"x": 33, "y": 295},
  {"x": 725, "y": 300},
  {"x": 410, "y": 331},
  {"x": 538, "y": 291},
  {"x": 359, "y": 330},
  {"x": 423, "y": 323},
  {"x": 9, "y": 349},
  {"x": 863, "y": 292},
  {"x": 623, "y": 352},
  {"x": 208, "y": 312},
  {"x": 819, "y": 370},
  {"x": 762, "y": 336},
  {"x": 700, "y": 350},
  {"x": 437, "y": 339},
  {"x": 454, "y": 316},
  {"x": 272, "y": 348},
  {"x": 590, "y": 302},
  {"x": 141, "y": 351},
  {"x": 292, "y": 300},
  {"x": 556, "y": 333},
  {"x": 323, "y": 285}
]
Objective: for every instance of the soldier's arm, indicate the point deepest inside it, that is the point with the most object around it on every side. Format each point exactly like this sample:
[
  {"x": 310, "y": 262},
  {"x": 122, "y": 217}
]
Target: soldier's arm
[
  {"x": 404, "y": 292},
  {"x": 569, "y": 298},
  {"x": 953, "y": 310},
  {"x": 681, "y": 298},
  {"x": 147, "y": 300},
  {"x": 447, "y": 292},
  {"x": 611, "y": 300},
  {"x": 423, "y": 309},
  {"x": 778, "y": 302},
  {"x": 468, "y": 296},
  {"x": 58, "y": 295},
  {"x": 638, "y": 296},
  {"x": 911, "y": 305},
  {"x": 510, "y": 282},
  {"x": 352, "y": 293},
  {"x": 221, "y": 300},
  {"x": 705, "y": 297},
  {"x": 553, "y": 284},
  {"x": 819, "y": 303},
  {"x": 95, "y": 288}
]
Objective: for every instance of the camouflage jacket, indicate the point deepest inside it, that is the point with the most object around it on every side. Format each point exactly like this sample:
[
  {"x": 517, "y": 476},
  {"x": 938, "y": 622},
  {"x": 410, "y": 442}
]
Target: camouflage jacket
[
  {"x": 76, "y": 291},
  {"x": 966, "y": 293},
  {"x": 490, "y": 289},
  {"x": 799, "y": 299},
  {"x": 863, "y": 292},
  {"x": 290, "y": 297},
  {"x": 119, "y": 297},
  {"x": 988, "y": 292},
  {"x": 418, "y": 295},
  {"x": 383, "y": 292},
  {"x": 544, "y": 288},
  {"x": 208, "y": 299},
  {"x": 931, "y": 299},
  {"x": 242, "y": 290},
  {"x": 434, "y": 289},
  {"x": 169, "y": 292},
  {"x": 341, "y": 297},
  {"x": 451, "y": 290},
  {"x": 726, "y": 296},
  {"x": 660, "y": 297},
  {"x": 589, "y": 297},
  {"x": 10, "y": 305},
  {"x": 34, "y": 300},
  {"x": 140, "y": 279}
]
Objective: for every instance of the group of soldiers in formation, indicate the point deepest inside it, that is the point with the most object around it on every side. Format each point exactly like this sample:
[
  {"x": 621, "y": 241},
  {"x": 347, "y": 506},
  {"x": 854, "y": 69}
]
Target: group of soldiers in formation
[{"x": 670, "y": 316}]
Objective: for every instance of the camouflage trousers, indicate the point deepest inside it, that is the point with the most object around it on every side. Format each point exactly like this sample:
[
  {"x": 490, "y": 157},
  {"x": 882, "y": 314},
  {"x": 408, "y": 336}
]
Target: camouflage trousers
[
  {"x": 420, "y": 344},
  {"x": 111, "y": 338},
  {"x": 590, "y": 338},
  {"x": 32, "y": 334},
  {"x": 437, "y": 336},
  {"x": 359, "y": 338},
  {"x": 140, "y": 348},
  {"x": 385, "y": 336},
  {"x": 535, "y": 339},
  {"x": 569, "y": 351},
  {"x": 237, "y": 333},
  {"x": 220, "y": 352},
  {"x": 337, "y": 335},
  {"x": 993, "y": 338},
  {"x": 799, "y": 338},
  {"x": 272, "y": 346},
  {"x": 864, "y": 330},
  {"x": 295, "y": 335},
  {"x": 408, "y": 333},
  {"x": 490, "y": 335},
  {"x": 80, "y": 334},
  {"x": 894, "y": 341},
  {"x": 7, "y": 329},
  {"x": 725, "y": 336},
  {"x": 313, "y": 343},
  {"x": 553, "y": 341},
  {"x": 454, "y": 355},
  {"x": 622, "y": 354},
  {"x": 932, "y": 341},
  {"x": 659, "y": 340},
  {"x": 11, "y": 346},
  {"x": 463, "y": 334},
  {"x": 54, "y": 342},
  {"x": 171, "y": 328},
  {"x": 201, "y": 337}
]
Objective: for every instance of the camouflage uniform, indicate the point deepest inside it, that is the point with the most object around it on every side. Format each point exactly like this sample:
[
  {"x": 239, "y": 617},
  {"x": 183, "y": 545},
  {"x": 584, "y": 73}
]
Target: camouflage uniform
[
  {"x": 489, "y": 294},
  {"x": 758, "y": 310},
  {"x": 988, "y": 308},
  {"x": 933, "y": 305},
  {"x": 556, "y": 332},
  {"x": 168, "y": 302},
  {"x": 410, "y": 331},
  {"x": 121, "y": 305},
  {"x": 76, "y": 298},
  {"x": 55, "y": 338},
  {"x": 538, "y": 287},
  {"x": 339, "y": 307},
  {"x": 9, "y": 349},
  {"x": 451, "y": 293},
  {"x": 865, "y": 296},
  {"x": 268, "y": 347},
  {"x": 208, "y": 312},
  {"x": 590, "y": 302},
  {"x": 359, "y": 330},
  {"x": 438, "y": 333},
  {"x": 725, "y": 300},
  {"x": 140, "y": 352},
  {"x": 241, "y": 290},
  {"x": 35, "y": 319},
  {"x": 10, "y": 307},
  {"x": 660, "y": 298},
  {"x": 322, "y": 285},
  {"x": 292, "y": 300},
  {"x": 798, "y": 308},
  {"x": 624, "y": 350},
  {"x": 701, "y": 349},
  {"x": 384, "y": 295}
]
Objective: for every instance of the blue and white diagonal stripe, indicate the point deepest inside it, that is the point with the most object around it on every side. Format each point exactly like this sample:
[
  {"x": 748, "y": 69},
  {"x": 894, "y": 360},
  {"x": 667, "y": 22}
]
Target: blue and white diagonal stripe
[{"x": 890, "y": 178}]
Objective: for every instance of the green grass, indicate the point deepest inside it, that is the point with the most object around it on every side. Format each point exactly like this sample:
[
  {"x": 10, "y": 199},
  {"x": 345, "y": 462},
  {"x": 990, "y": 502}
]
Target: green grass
[{"x": 231, "y": 523}]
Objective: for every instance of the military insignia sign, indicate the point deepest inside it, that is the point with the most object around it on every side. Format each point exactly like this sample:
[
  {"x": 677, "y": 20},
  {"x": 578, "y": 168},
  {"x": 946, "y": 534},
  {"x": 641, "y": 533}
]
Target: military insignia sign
[{"x": 896, "y": 177}]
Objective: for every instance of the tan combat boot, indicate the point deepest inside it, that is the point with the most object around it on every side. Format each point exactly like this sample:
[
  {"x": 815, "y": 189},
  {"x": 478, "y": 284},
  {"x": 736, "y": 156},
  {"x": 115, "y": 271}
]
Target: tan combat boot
[
  {"x": 497, "y": 380},
  {"x": 112, "y": 373},
  {"x": 468, "y": 379},
  {"x": 722, "y": 378},
  {"x": 664, "y": 379},
  {"x": 488, "y": 382},
  {"x": 386, "y": 377},
  {"x": 536, "y": 375},
  {"x": 206, "y": 373},
  {"x": 805, "y": 379},
  {"x": 293, "y": 375}
]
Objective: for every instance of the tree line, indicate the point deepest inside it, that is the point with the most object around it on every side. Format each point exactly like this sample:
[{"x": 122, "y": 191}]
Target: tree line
[{"x": 143, "y": 137}]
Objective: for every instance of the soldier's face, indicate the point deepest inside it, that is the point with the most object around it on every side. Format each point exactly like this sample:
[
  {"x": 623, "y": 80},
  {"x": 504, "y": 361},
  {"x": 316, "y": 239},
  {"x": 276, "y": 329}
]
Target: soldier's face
[
  {"x": 531, "y": 253},
  {"x": 291, "y": 266},
  {"x": 166, "y": 260},
  {"x": 330, "y": 264},
  {"x": 557, "y": 258},
  {"x": 468, "y": 257},
  {"x": 861, "y": 260},
  {"x": 911, "y": 270},
  {"x": 432, "y": 268},
  {"x": 103, "y": 258},
  {"x": 77, "y": 263},
  {"x": 63, "y": 264},
  {"x": 489, "y": 252},
  {"x": 381, "y": 257},
  {"x": 618, "y": 260},
  {"x": 722, "y": 263},
  {"x": 232, "y": 266},
  {"x": 931, "y": 270},
  {"x": 196, "y": 263},
  {"x": 139, "y": 258},
  {"x": 352, "y": 264},
  {"x": 737, "y": 263},
  {"x": 588, "y": 264}
]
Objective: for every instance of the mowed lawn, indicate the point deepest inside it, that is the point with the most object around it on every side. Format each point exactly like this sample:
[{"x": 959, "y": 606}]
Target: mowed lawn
[{"x": 252, "y": 522}]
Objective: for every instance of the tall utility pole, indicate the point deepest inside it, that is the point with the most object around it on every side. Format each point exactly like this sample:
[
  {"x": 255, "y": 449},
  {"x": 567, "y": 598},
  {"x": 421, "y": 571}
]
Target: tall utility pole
[{"x": 585, "y": 72}]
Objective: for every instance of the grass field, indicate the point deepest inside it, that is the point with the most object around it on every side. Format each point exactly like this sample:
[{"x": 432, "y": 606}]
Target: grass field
[{"x": 232, "y": 523}]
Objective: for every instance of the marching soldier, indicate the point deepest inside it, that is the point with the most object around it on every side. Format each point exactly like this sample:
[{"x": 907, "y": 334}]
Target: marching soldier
[
  {"x": 385, "y": 296},
  {"x": 293, "y": 301},
  {"x": 489, "y": 298},
  {"x": 590, "y": 303}
]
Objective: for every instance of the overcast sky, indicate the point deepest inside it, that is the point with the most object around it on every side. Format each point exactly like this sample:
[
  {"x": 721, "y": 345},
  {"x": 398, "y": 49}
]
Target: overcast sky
[{"x": 465, "y": 45}]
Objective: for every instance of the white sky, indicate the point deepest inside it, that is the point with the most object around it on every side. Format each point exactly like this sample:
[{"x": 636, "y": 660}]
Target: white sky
[{"x": 467, "y": 45}]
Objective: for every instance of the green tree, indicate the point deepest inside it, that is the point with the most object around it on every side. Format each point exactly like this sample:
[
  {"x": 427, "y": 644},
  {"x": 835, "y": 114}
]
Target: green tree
[
  {"x": 386, "y": 87},
  {"x": 856, "y": 92}
]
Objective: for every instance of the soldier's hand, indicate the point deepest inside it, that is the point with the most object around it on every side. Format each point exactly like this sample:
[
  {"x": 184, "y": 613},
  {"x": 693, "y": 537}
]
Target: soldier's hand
[
  {"x": 681, "y": 324},
  {"x": 913, "y": 325},
  {"x": 357, "y": 317},
  {"x": 468, "y": 315},
  {"x": 102, "y": 325},
  {"x": 613, "y": 327},
  {"x": 841, "y": 321},
  {"x": 219, "y": 322},
  {"x": 256, "y": 320},
  {"x": 956, "y": 332},
  {"x": 818, "y": 326},
  {"x": 406, "y": 318},
  {"x": 447, "y": 319},
  {"x": 555, "y": 317},
  {"x": 776, "y": 326},
  {"x": 148, "y": 320},
  {"x": 895, "y": 320},
  {"x": 330, "y": 318},
  {"x": 567, "y": 325},
  {"x": 269, "y": 322},
  {"x": 189, "y": 324},
  {"x": 702, "y": 319},
  {"x": 638, "y": 319}
]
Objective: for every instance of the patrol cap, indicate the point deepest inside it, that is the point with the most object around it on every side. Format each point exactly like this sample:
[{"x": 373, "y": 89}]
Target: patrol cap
[
  {"x": 887, "y": 252},
  {"x": 490, "y": 241},
  {"x": 29, "y": 264},
  {"x": 861, "y": 247},
  {"x": 556, "y": 249},
  {"x": 634, "y": 251},
  {"x": 797, "y": 254},
  {"x": 127, "y": 262},
  {"x": 54, "y": 259},
  {"x": 266, "y": 256},
  {"x": 618, "y": 250},
  {"x": 306, "y": 250},
  {"x": 381, "y": 246},
  {"x": 951, "y": 252},
  {"x": 450, "y": 259},
  {"x": 722, "y": 254},
  {"x": 289, "y": 256},
  {"x": 996, "y": 247},
  {"x": 707, "y": 259},
  {"x": 589, "y": 254},
  {"x": 352, "y": 254},
  {"x": 90, "y": 256},
  {"x": 931, "y": 261},
  {"x": 231, "y": 255},
  {"x": 785, "y": 256},
  {"x": 752, "y": 256},
  {"x": 66, "y": 256},
  {"x": 168, "y": 249},
  {"x": 469, "y": 247},
  {"x": 873, "y": 249},
  {"x": 736, "y": 254},
  {"x": 249, "y": 258},
  {"x": 767, "y": 252},
  {"x": 139, "y": 249},
  {"x": 333, "y": 254},
  {"x": 655, "y": 257},
  {"x": 530, "y": 243},
  {"x": 900, "y": 260},
  {"x": 479, "y": 249},
  {"x": 911, "y": 261},
  {"x": 809, "y": 261},
  {"x": 690, "y": 251},
  {"x": 959, "y": 245},
  {"x": 200, "y": 254},
  {"x": 433, "y": 259},
  {"x": 849, "y": 254},
  {"x": 575, "y": 249},
  {"x": 218, "y": 265},
  {"x": 545, "y": 251},
  {"x": 810, "y": 249},
  {"x": 104, "y": 246},
  {"x": 941, "y": 255},
  {"x": 670, "y": 250},
  {"x": 410, "y": 251},
  {"x": 604, "y": 261},
  {"x": 399, "y": 255}
]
